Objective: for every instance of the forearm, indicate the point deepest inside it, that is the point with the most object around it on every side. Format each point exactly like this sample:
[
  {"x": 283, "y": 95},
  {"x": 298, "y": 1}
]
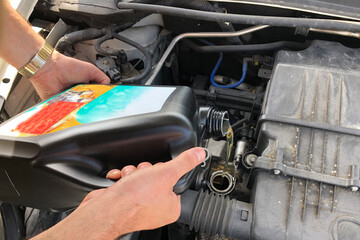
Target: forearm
[
  {"x": 18, "y": 41},
  {"x": 103, "y": 218},
  {"x": 19, "y": 44}
]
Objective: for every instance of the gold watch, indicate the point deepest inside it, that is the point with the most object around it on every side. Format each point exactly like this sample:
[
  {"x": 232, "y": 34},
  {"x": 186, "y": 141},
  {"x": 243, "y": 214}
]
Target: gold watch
[{"x": 29, "y": 69}]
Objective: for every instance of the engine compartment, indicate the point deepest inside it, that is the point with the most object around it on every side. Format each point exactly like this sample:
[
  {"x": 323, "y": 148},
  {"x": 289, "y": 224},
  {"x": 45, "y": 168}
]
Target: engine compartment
[{"x": 289, "y": 94}]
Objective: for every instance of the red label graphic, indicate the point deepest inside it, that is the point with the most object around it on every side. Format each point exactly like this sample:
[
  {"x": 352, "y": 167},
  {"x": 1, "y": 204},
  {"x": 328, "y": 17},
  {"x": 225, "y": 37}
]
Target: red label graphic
[{"x": 41, "y": 121}]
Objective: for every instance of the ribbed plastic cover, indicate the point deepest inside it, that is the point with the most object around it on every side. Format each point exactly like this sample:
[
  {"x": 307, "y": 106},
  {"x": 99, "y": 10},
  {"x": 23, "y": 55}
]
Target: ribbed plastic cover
[{"x": 310, "y": 130}]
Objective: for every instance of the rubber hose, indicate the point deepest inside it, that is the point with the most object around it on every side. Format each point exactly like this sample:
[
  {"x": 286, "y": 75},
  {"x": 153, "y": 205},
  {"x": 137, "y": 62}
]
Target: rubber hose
[
  {"x": 253, "y": 48},
  {"x": 239, "y": 124},
  {"x": 103, "y": 51},
  {"x": 215, "y": 214},
  {"x": 193, "y": 4},
  {"x": 293, "y": 22},
  {"x": 66, "y": 43},
  {"x": 146, "y": 53},
  {"x": 214, "y": 122}
]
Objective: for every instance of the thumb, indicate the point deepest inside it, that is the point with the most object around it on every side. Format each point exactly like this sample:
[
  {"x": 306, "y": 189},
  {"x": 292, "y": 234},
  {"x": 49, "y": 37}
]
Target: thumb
[{"x": 185, "y": 162}]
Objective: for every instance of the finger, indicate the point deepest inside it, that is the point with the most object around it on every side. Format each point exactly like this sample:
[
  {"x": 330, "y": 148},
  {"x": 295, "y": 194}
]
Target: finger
[
  {"x": 144, "y": 165},
  {"x": 159, "y": 163},
  {"x": 127, "y": 170},
  {"x": 186, "y": 161},
  {"x": 114, "y": 174},
  {"x": 85, "y": 72},
  {"x": 96, "y": 75}
]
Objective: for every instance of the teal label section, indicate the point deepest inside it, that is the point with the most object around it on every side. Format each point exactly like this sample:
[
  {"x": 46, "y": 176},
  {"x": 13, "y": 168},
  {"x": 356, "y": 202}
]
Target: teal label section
[{"x": 123, "y": 101}]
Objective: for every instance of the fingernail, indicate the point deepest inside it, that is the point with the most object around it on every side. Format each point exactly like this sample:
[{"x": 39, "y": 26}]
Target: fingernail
[{"x": 200, "y": 153}]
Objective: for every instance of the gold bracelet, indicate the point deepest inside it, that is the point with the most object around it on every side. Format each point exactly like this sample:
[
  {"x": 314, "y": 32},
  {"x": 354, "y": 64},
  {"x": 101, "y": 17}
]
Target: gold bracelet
[{"x": 29, "y": 69}]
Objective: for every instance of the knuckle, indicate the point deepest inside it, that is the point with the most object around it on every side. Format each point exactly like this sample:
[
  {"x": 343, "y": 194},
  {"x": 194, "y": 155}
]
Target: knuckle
[
  {"x": 128, "y": 168},
  {"x": 144, "y": 164}
]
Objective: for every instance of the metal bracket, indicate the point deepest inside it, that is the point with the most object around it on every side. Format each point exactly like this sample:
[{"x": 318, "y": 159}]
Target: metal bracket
[{"x": 278, "y": 166}]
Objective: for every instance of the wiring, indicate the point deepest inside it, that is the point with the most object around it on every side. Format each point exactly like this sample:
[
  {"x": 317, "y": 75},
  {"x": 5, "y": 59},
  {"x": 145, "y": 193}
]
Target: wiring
[
  {"x": 244, "y": 70},
  {"x": 114, "y": 34},
  {"x": 152, "y": 78},
  {"x": 221, "y": 56}
]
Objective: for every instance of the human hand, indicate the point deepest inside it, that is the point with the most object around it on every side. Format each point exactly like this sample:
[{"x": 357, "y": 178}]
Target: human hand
[
  {"x": 116, "y": 174},
  {"x": 61, "y": 72},
  {"x": 19, "y": 44},
  {"x": 141, "y": 200}
]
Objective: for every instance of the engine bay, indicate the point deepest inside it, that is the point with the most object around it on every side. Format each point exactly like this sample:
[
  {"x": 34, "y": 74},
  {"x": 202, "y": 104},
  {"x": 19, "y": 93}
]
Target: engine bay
[{"x": 273, "y": 97}]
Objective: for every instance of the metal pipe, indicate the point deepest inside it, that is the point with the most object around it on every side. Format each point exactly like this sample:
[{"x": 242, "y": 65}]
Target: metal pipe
[
  {"x": 203, "y": 6},
  {"x": 340, "y": 33},
  {"x": 172, "y": 44}
]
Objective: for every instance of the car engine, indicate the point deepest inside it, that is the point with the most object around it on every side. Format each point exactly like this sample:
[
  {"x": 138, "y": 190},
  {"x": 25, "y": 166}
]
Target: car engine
[{"x": 276, "y": 92}]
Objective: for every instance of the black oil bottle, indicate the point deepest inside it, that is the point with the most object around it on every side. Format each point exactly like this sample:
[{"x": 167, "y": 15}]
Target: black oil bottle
[{"x": 52, "y": 154}]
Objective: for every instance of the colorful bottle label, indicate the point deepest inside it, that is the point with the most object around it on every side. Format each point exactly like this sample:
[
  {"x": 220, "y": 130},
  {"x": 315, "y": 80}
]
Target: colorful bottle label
[{"x": 86, "y": 103}]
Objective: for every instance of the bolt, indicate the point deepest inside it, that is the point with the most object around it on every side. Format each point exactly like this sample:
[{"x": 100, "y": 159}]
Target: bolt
[
  {"x": 244, "y": 215},
  {"x": 250, "y": 159},
  {"x": 277, "y": 171},
  {"x": 354, "y": 188}
]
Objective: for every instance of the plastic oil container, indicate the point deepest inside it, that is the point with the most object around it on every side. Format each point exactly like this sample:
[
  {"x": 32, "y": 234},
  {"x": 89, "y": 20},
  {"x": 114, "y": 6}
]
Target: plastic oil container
[{"x": 53, "y": 154}]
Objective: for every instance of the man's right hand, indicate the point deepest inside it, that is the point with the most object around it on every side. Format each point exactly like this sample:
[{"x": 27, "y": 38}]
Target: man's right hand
[
  {"x": 116, "y": 174},
  {"x": 141, "y": 200}
]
